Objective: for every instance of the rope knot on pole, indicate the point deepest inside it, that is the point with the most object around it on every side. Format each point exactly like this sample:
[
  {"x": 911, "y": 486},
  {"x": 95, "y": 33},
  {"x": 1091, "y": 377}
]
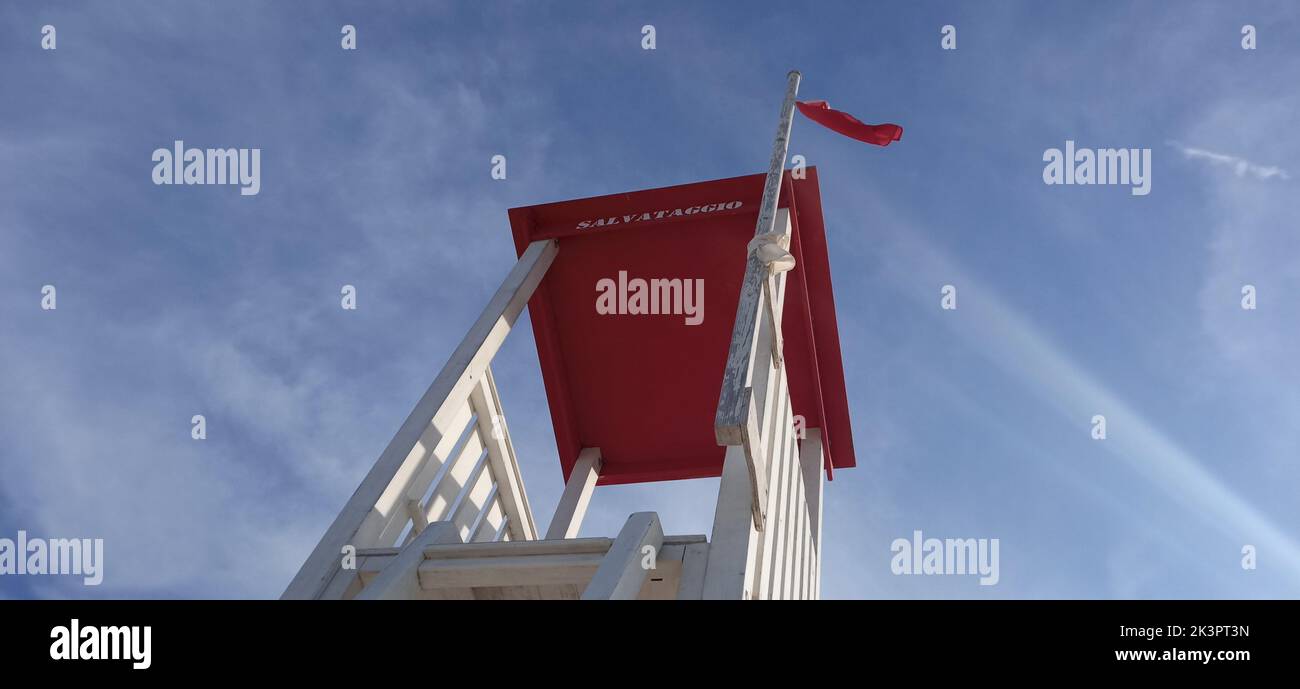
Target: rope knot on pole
[{"x": 773, "y": 250}]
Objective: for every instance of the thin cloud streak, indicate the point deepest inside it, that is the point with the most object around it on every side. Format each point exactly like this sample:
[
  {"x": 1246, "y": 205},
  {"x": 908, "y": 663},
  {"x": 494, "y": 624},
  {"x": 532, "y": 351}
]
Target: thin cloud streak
[
  {"x": 1240, "y": 166},
  {"x": 1018, "y": 346}
]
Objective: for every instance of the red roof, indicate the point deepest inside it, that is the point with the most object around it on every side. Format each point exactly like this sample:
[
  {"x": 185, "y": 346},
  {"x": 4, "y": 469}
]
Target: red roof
[{"x": 644, "y": 388}]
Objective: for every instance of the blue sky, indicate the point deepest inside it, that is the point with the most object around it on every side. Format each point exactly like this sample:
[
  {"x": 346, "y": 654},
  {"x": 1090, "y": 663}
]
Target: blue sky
[{"x": 1073, "y": 301}]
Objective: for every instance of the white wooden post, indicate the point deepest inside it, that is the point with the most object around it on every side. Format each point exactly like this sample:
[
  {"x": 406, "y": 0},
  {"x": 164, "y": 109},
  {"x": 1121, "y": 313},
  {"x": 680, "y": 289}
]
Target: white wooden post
[
  {"x": 577, "y": 495},
  {"x": 400, "y": 578},
  {"x": 811, "y": 458},
  {"x": 621, "y": 576},
  {"x": 728, "y": 575},
  {"x": 368, "y": 512}
]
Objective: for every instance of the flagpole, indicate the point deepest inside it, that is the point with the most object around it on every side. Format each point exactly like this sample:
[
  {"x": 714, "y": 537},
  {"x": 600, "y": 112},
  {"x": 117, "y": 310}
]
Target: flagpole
[
  {"x": 736, "y": 422},
  {"x": 776, "y": 168}
]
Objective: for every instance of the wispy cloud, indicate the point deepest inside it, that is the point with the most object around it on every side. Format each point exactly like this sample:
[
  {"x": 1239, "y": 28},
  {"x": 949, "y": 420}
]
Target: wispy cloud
[
  {"x": 1012, "y": 341},
  {"x": 1240, "y": 166}
]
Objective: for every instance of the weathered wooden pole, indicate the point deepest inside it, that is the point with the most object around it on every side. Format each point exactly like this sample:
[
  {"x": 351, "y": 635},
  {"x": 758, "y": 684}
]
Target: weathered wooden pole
[{"x": 736, "y": 422}]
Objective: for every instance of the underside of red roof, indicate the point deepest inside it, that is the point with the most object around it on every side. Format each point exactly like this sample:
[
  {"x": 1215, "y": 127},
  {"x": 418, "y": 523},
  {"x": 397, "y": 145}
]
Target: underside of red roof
[{"x": 644, "y": 388}]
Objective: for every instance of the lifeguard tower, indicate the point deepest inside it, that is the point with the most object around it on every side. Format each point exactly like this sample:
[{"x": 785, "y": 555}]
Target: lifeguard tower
[{"x": 752, "y": 391}]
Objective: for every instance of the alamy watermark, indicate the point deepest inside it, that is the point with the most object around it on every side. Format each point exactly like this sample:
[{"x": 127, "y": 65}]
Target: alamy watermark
[
  {"x": 75, "y": 642},
  {"x": 83, "y": 557},
  {"x": 1124, "y": 166},
  {"x": 946, "y": 556},
  {"x": 656, "y": 296},
  {"x": 180, "y": 165}
]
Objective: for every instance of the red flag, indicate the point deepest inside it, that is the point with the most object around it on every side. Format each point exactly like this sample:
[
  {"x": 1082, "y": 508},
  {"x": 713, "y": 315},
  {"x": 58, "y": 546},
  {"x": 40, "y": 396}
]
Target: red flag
[{"x": 879, "y": 134}]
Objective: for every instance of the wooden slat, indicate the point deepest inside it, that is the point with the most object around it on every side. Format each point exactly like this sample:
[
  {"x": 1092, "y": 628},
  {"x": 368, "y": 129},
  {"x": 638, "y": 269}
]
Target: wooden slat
[
  {"x": 505, "y": 465},
  {"x": 435, "y": 467},
  {"x": 801, "y": 521},
  {"x": 467, "y": 486},
  {"x": 488, "y": 503},
  {"x": 767, "y": 564},
  {"x": 780, "y": 524},
  {"x": 782, "y": 456},
  {"x": 496, "y": 516},
  {"x": 529, "y": 570},
  {"x": 449, "y": 484},
  {"x": 792, "y": 511},
  {"x": 385, "y": 521},
  {"x": 811, "y": 458},
  {"x": 521, "y": 548},
  {"x": 477, "y": 497}
]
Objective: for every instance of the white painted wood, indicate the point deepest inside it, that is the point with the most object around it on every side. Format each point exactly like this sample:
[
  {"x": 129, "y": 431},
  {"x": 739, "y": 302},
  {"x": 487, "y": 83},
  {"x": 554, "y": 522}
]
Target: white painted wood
[
  {"x": 695, "y": 560},
  {"x": 556, "y": 592},
  {"x": 479, "y": 491},
  {"x": 780, "y": 552},
  {"x": 400, "y": 580},
  {"x": 345, "y": 583},
  {"x": 387, "y": 520},
  {"x": 793, "y": 505},
  {"x": 728, "y": 575},
  {"x": 416, "y": 460},
  {"x": 467, "y": 484},
  {"x": 577, "y": 495},
  {"x": 786, "y": 561},
  {"x": 783, "y": 522},
  {"x": 572, "y": 546},
  {"x": 484, "y": 511},
  {"x": 756, "y": 453},
  {"x": 436, "y": 464},
  {"x": 433, "y": 492},
  {"x": 621, "y": 576},
  {"x": 528, "y": 570},
  {"x": 668, "y": 554},
  {"x": 664, "y": 581},
  {"x": 416, "y": 513},
  {"x": 505, "y": 466},
  {"x": 764, "y": 567},
  {"x": 797, "y": 523},
  {"x": 493, "y": 520},
  {"x": 811, "y": 458},
  {"x": 557, "y": 569},
  {"x": 796, "y": 509},
  {"x": 436, "y": 408},
  {"x": 460, "y": 469},
  {"x": 737, "y": 420}
]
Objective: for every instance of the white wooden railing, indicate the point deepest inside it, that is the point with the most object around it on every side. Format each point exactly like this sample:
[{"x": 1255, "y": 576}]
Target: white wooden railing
[
  {"x": 451, "y": 461},
  {"x": 767, "y": 524},
  {"x": 472, "y": 483}
]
